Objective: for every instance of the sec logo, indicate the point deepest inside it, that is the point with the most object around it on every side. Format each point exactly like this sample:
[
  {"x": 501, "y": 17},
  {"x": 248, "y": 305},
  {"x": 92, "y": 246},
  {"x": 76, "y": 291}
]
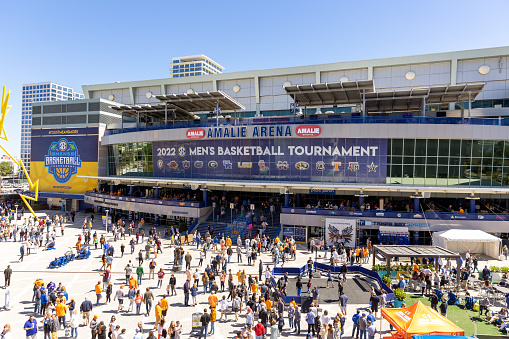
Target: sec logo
[
  {"x": 182, "y": 151},
  {"x": 160, "y": 164},
  {"x": 213, "y": 164}
]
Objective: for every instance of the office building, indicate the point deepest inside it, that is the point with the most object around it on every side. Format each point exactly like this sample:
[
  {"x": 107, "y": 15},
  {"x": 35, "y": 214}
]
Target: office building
[
  {"x": 40, "y": 92},
  {"x": 194, "y": 65}
]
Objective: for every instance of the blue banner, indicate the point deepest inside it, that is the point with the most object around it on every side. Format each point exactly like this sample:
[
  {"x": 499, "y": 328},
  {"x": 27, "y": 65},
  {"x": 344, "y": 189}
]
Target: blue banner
[{"x": 324, "y": 160}]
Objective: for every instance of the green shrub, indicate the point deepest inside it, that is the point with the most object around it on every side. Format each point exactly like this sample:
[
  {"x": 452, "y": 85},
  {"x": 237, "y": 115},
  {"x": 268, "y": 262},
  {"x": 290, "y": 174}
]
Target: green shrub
[
  {"x": 399, "y": 294},
  {"x": 387, "y": 279}
]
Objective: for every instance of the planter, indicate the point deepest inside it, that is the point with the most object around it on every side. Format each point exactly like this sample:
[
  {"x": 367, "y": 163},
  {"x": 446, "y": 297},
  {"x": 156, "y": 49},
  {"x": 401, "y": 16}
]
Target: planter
[
  {"x": 397, "y": 303},
  {"x": 382, "y": 273}
]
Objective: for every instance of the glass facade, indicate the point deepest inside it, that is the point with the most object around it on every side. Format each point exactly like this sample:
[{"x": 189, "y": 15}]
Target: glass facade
[
  {"x": 448, "y": 162},
  {"x": 410, "y": 162},
  {"x": 132, "y": 159}
]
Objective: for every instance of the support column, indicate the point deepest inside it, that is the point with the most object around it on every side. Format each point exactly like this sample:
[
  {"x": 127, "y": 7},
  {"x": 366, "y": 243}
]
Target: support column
[
  {"x": 423, "y": 106},
  {"x": 157, "y": 192},
  {"x": 471, "y": 210},
  {"x": 388, "y": 263},
  {"x": 361, "y": 201},
  {"x": 458, "y": 268},
  {"x": 416, "y": 205},
  {"x": 287, "y": 200},
  {"x": 112, "y": 187},
  {"x": 297, "y": 198},
  {"x": 99, "y": 186},
  {"x": 363, "y": 102},
  {"x": 205, "y": 197},
  {"x": 131, "y": 190},
  {"x": 469, "y": 104}
]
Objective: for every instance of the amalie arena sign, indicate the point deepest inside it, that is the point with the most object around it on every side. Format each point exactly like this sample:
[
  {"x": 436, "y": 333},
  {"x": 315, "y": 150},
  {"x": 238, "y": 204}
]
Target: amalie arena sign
[{"x": 282, "y": 131}]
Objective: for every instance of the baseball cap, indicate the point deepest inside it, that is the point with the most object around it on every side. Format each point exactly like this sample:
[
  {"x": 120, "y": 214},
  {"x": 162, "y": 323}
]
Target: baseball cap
[
  {"x": 363, "y": 314},
  {"x": 96, "y": 316}
]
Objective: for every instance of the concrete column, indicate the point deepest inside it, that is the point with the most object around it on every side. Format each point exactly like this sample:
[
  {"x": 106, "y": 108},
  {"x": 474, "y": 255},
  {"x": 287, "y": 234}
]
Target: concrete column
[
  {"x": 205, "y": 197},
  {"x": 112, "y": 188},
  {"x": 416, "y": 205},
  {"x": 157, "y": 192},
  {"x": 471, "y": 210},
  {"x": 99, "y": 186},
  {"x": 361, "y": 201},
  {"x": 131, "y": 190},
  {"x": 287, "y": 200}
]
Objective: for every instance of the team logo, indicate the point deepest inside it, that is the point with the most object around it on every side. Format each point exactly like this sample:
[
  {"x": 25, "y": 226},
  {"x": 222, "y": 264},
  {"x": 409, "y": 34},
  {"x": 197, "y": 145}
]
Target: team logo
[
  {"x": 308, "y": 131},
  {"x": 336, "y": 166},
  {"x": 195, "y": 133},
  {"x": 182, "y": 151},
  {"x": 186, "y": 164},
  {"x": 227, "y": 164},
  {"x": 353, "y": 166},
  {"x": 320, "y": 165},
  {"x": 372, "y": 167},
  {"x": 244, "y": 164},
  {"x": 173, "y": 164},
  {"x": 262, "y": 166},
  {"x": 283, "y": 165},
  {"x": 198, "y": 164},
  {"x": 302, "y": 165},
  {"x": 62, "y": 160},
  {"x": 213, "y": 164},
  {"x": 160, "y": 164}
]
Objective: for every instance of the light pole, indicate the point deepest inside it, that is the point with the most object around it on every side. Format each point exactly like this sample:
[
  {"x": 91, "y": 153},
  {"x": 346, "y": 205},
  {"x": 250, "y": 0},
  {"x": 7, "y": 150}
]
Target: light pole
[{"x": 107, "y": 211}]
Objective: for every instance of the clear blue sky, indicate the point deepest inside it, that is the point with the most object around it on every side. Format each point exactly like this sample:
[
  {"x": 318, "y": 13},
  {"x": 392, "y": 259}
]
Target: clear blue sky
[{"x": 92, "y": 42}]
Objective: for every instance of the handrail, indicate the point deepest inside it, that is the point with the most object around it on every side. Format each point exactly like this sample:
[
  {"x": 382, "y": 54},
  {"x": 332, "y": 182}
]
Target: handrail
[{"x": 313, "y": 119}]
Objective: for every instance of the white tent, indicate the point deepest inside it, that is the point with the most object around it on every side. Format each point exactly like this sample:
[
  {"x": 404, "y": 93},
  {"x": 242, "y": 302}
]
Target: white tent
[{"x": 461, "y": 240}]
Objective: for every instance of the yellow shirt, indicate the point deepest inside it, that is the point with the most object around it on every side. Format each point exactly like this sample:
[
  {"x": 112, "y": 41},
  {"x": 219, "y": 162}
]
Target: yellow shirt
[
  {"x": 98, "y": 289},
  {"x": 292, "y": 304},
  {"x": 213, "y": 300},
  {"x": 159, "y": 311},
  {"x": 164, "y": 304},
  {"x": 60, "y": 309},
  {"x": 254, "y": 288},
  {"x": 268, "y": 303},
  {"x": 239, "y": 273}
]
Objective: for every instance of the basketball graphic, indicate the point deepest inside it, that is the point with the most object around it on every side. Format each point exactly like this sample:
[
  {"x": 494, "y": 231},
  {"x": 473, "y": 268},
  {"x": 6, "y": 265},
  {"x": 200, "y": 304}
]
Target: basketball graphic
[{"x": 62, "y": 160}]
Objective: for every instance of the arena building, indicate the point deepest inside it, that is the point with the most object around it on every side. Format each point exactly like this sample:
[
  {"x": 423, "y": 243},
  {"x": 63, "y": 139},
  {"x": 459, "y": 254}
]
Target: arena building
[{"x": 391, "y": 149}]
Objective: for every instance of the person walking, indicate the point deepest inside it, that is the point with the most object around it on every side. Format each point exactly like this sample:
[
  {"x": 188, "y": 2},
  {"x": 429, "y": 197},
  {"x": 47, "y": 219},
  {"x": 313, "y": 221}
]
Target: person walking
[
  {"x": 98, "y": 292},
  {"x": 7, "y": 276},
  {"x": 310, "y": 319},
  {"x": 85, "y": 308},
  {"x": 139, "y": 273},
  {"x": 148, "y": 297},
  {"x": 205, "y": 320}
]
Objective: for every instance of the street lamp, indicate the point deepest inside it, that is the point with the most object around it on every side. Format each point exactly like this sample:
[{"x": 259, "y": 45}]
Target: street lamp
[{"x": 107, "y": 211}]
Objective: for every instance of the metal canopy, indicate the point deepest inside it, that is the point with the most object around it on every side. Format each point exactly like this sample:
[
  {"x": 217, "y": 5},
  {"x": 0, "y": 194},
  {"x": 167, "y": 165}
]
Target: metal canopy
[
  {"x": 351, "y": 93},
  {"x": 340, "y": 93},
  {"x": 201, "y": 101},
  {"x": 415, "y": 251},
  {"x": 415, "y": 98},
  {"x": 155, "y": 110}
]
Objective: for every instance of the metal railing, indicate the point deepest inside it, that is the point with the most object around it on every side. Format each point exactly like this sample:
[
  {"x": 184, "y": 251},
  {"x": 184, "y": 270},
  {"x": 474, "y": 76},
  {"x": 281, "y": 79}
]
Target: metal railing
[{"x": 316, "y": 119}]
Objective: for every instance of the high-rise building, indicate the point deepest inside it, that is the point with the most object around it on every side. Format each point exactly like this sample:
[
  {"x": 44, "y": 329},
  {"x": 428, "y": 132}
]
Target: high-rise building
[
  {"x": 45, "y": 91},
  {"x": 194, "y": 65}
]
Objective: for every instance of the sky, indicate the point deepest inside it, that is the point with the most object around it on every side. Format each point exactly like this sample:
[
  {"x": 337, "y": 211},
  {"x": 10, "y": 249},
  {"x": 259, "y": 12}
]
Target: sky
[{"x": 77, "y": 43}]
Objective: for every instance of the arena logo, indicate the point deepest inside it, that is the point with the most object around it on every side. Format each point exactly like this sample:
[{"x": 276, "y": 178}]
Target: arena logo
[
  {"x": 195, "y": 133},
  {"x": 308, "y": 131},
  {"x": 62, "y": 160}
]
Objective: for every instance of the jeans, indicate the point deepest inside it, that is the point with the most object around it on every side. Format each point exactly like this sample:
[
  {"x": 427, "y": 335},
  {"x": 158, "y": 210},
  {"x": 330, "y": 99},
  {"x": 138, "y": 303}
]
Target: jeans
[
  {"x": 186, "y": 299},
  {"x": 139, "y": 279},
  {"x": 296, "y": 324},
  {"x": 98, "y": 298},
  {"x": 37, "y": 306},
  {"x": 212, "y": 327},
  {"x": 132, "y": 249},
  {"x": 148, "y": 306},
  {"x": 239, "y": 257},
  {"x": 138, "y": 308},
  {"x": 159, "y": 283},
  {"x": 205, "y": 287},
  {"x": 362, "y": 334},
  {"x": 61, "y": 321},
  {"x": 299, "y": 291},
  {"x": 355, "y": 327},
  {"x": 290, "y": 321},
  {"x": 47, "y": 335},
  {"x": 203, "y": 332},
  {"x": 74, "y": 332}
]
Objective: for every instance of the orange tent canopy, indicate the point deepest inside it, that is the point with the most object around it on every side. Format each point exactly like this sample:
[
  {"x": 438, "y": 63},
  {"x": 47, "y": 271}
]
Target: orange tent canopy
[{"x": 420, "y": 319}]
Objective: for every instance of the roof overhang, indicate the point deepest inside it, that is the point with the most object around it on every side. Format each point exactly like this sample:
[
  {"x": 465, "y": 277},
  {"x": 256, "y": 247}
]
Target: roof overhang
[
  {"x": 352, "y": 93},
  {"x": 339, "y": 93}
]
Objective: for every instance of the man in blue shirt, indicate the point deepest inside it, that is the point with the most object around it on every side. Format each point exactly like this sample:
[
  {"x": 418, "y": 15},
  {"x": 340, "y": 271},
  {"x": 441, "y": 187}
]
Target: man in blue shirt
[
  {"x": 355, "y": 318},
  {"x": 31, "y": 328},
  {"x": 310, "y": 319},
  {"x": 370, "y": 317}
]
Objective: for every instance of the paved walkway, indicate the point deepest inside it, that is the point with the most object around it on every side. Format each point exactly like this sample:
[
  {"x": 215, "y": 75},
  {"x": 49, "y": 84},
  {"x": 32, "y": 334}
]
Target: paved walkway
[{"x": 80, "y": 276}]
